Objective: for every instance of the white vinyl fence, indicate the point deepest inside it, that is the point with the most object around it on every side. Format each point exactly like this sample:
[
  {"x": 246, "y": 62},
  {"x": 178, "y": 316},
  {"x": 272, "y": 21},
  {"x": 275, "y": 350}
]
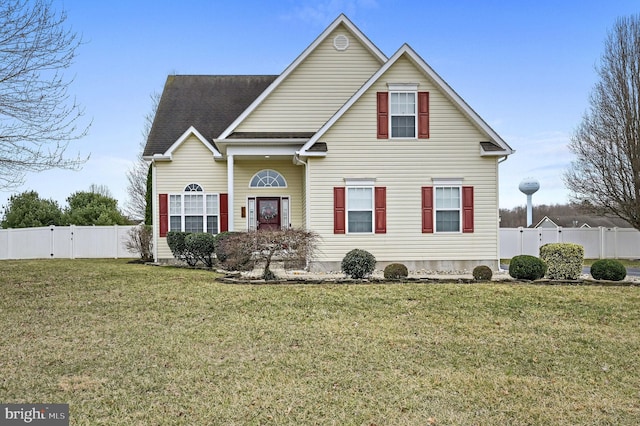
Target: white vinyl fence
[
  {"x": 72, "y": 242},
  {"x": 598, "y": 243},
  {"x": 67, "y": 242}
]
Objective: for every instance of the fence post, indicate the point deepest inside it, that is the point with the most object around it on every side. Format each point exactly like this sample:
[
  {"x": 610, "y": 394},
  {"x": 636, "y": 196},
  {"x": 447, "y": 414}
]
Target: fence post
[
  {"x": 52, "y": 240},
  {"x": 9, "y": 244},
  {"x": 601, "y": 245},
  {"x": 521, "y": 236},
  {"x": 72, "y": 230},
  {"x": 115, "y": 231}
]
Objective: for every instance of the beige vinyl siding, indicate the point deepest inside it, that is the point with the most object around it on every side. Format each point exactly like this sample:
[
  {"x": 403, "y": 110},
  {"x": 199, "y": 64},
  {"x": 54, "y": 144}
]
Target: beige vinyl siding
[
  {"x": 244, "y": 170},
  {"x": 316, "y": 89},
  {"x": 192, "y": 163},
  {"x": 403, "y": 167}
]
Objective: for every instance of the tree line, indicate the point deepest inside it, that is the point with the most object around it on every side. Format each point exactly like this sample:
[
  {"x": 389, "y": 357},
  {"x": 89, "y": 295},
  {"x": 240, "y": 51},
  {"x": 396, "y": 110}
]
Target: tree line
[
  {"x": 517, "y": 216},
  {"x": 93, "y": 207}
]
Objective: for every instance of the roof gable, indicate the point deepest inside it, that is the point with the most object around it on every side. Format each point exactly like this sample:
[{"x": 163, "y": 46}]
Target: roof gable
[
  {"x": 343, "y": 21},
  {"x": 408, "y": 52}
]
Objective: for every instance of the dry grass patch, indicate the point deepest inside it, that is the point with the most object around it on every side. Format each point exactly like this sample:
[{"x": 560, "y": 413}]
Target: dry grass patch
[{"x": 132, "y": 344}]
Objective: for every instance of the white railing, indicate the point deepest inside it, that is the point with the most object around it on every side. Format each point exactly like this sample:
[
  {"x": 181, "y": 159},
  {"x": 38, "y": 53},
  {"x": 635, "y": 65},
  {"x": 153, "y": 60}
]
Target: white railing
[
  {"x": 68, "y": 242},
  {"x": 598, "y": 243}
]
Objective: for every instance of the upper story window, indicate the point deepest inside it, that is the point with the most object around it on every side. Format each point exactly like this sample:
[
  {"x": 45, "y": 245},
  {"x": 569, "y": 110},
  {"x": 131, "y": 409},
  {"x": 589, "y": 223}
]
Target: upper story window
[
  {"x": 268, "y": 179},
  {"x": 402, "y": 106},
  {"x": 402, "y": 112}
]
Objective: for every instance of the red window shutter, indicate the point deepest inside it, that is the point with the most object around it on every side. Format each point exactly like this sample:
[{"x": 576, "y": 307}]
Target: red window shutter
[
  {"x": 224, "y": 212},
  {"x": 339, "y": 212},
  {"x": 163, "y": 204},
  {"x": 423, "y": 115},
  {"x": 381, "y": 209},
  {"x": 383, "y": 115},
  {"x": 427, "y": 209},
  {"x": 467, "y": 209}
]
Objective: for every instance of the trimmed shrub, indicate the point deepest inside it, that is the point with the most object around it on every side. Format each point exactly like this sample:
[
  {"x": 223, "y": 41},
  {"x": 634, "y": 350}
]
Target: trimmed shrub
[
  {"x": 608, "y": 269},
  {"x": 358, "y": 263},
  {"x": 526, "y": 267},
  {"x": 201, "y": 246},
  {"x": 564, "y": 260},
  {"x": 482, "y": 273},
  {"x": 176, "y": 242},
  {"x": 394, "y": 271}
]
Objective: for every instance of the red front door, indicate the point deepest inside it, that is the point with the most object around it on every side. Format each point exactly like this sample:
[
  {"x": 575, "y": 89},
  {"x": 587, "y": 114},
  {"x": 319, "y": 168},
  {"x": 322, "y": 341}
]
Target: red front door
[{"x": 268, "y": 213}]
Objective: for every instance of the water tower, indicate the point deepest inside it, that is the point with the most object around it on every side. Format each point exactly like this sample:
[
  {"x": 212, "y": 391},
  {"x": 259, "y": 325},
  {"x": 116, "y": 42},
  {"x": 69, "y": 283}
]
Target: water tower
[{"x": 529, "y": 186}]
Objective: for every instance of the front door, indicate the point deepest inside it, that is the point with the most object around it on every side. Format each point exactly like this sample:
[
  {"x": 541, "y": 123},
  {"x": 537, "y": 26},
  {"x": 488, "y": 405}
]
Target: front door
[{"x": 268, "y": 213}]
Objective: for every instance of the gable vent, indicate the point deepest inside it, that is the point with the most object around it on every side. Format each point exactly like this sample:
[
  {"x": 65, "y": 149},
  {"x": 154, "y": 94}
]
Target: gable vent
[{"x": 341, "y": 42}]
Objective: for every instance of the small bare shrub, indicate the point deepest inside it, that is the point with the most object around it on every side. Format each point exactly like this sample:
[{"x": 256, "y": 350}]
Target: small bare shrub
[
  {"x": 141, "y": 241},
  {"x": 292, "y": 246}
]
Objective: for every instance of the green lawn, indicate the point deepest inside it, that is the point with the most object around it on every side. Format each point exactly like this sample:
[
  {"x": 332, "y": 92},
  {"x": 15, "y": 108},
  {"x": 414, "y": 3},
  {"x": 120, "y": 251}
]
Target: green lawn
[{"x": 142, "y": 345}]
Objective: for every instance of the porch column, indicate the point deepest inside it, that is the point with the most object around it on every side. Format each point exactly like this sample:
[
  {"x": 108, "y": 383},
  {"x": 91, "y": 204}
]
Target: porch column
[{"x": 230, "y": 190}]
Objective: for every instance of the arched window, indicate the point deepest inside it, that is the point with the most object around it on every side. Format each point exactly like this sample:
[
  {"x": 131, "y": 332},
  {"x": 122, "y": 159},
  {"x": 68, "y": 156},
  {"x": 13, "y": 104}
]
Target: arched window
[
  {"x": 193, "y": 210},
  {"x": 268, "y": 179}
]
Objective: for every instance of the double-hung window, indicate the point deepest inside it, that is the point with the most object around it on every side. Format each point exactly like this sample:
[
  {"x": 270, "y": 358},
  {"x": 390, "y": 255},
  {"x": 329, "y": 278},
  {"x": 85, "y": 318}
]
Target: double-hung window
[
  {"x": 403, "y": 114},
  {"x": 194, "y": 211},
  {"x": 448, "y": 208},
  {"x": 360, "y": 209}
]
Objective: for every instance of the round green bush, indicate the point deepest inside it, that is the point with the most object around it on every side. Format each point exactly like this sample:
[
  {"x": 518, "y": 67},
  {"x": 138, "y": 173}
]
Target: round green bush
[
  {"x": 201, "y": 245},
  {"x": 482, "y": 273},
  {"x": 394, "y": 271},
  {"x": 358, "y": 263},
  {"x": 526, "y": 267},
  {"x": 608, "y": 269}
]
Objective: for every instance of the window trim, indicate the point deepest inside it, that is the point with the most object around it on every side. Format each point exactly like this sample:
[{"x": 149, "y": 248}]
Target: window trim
[
  {"x": 364, "y": 184},
  {"x": 406, "y": 89},
  {"x": 196, "y": 190},
  {"x": 278, "y": 174},
  {"x": 459, "y": 209}
]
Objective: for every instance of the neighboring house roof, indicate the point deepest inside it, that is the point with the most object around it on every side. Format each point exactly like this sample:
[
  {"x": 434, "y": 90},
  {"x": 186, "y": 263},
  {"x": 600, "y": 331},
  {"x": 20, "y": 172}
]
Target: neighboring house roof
[
  {"x": 497, "y": 146},
  {"x": 208, "y": 103},
  {"x": 582, "y": 221}
]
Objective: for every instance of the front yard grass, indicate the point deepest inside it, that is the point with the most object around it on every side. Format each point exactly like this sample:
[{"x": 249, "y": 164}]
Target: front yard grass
[{"x": 134, "y": 344}]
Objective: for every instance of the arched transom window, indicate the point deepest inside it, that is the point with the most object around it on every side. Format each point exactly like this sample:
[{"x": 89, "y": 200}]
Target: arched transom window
[{"x": 268, "y": 179}]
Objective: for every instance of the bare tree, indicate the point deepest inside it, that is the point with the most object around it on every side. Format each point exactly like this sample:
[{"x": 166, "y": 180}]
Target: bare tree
[
  {"x": 37, "y": 117},
  {"x": 606, "y": 173},
  {"x": 137, "y": 174}
]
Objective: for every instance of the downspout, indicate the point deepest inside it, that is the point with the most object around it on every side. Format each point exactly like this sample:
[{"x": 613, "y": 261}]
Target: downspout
[{"x": 502, "y": 160}]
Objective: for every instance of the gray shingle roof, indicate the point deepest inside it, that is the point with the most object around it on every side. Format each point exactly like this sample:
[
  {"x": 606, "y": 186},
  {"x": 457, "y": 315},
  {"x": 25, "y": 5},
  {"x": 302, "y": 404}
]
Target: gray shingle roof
[{"x": 210, "y": 103}]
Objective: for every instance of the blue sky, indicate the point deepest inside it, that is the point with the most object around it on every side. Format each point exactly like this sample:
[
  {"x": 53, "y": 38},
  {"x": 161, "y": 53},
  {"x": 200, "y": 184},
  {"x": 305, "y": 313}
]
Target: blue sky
[{"x": 526, "y": 67}]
